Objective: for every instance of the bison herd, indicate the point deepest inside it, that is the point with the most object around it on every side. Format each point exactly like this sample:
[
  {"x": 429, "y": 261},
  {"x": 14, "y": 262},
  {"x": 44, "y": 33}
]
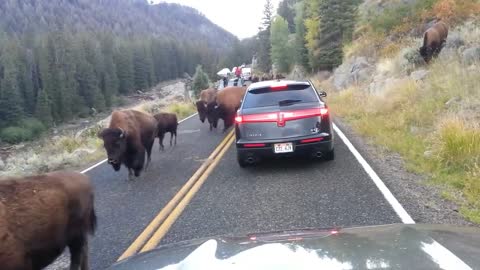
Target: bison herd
[{"x": 42, "y": 215}]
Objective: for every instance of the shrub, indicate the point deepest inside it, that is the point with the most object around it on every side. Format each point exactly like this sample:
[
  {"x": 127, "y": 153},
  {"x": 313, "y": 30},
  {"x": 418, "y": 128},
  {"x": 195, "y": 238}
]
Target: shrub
[
  {"x": 459, "y": 145},
  {"x": 182, "y": 110},
  {"x": 454, "y": 11},
  {"x": 69, "y": 143},
  {"x": 15, "y": 134},
  {"x": 34, "y": 125}
]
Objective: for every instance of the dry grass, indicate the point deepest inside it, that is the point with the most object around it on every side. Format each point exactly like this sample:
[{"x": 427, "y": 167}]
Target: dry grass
[{"x": 413, "y": 119}]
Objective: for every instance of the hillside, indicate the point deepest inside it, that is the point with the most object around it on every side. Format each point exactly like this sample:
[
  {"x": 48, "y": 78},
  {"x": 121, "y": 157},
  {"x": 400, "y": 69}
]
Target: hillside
[
  {"x": 427, "y": 113},
  {"x": 121, "y": 17},
  {"x": 63, "y": 59}
]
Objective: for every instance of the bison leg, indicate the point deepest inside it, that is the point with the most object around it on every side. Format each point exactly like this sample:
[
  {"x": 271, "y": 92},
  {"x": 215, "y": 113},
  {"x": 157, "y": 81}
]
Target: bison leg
[
  {"x": 172, "y": 134},
  {"x": 149, "y": 153},
  {"x": 160, "y": 141},
  {"x": 130, "y": 174},
  {"x": 78, "y": 254}
]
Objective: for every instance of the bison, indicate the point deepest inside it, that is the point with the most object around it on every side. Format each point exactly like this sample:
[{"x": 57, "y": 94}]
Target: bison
[
  {"x": 130, "y": 134},
  {"x": 225, "y": 106},
  {"x": 166, "y": 122},
  {"x": 433, "y": 41},
  {"x": 206, "y": 96},
  {"x": 41, "y": 215}
]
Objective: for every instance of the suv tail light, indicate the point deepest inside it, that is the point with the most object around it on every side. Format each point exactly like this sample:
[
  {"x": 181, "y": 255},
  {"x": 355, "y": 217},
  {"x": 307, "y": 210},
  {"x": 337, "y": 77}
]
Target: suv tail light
[
  {"x": 238, "y": 119},
  {"x": 278, "y": 87}
]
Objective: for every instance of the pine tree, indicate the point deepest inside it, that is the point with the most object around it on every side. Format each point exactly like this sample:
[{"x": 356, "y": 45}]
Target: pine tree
[
  {"x": 337, "y": 22},
  {"x": 281, "y": 52},
  {"x": 200, "y": 80},
  {"x": 286, "y": 9},
  {"x": 301, "y": 52},
  {"x": 11, "y": 109},
  {"x": 264, "y": 60},
  {"x": 140, "y": 68},
  {"x": 87, "y": 81},
  {"x": 124, "y": 63},
  {"x": 42, "y": 108},
  {"x": 26, "y": 69},
  {"x": 109, "y": 80},
  {"x": 312, "y": 35}
]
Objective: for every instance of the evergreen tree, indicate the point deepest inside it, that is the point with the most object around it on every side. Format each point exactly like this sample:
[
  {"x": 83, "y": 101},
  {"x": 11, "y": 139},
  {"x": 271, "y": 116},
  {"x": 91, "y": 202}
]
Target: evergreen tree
[
  {"x": 124, "y": 63},
  {"x": 264, "y": 61},
  {"x": 109, "y": 80},
  {"x": 11, "y": 109},
  {"x": 26, "y": 69},
  {"x": 286, "y": 9},
  {"x": 140, "y": 68},
  {"x": 301, "y": 52},
  {"x": 312, "y": 35},
  {"x": 200, "y": 81},
  {"x": 87, "y": 82},
  {"x": 42, "y": 108},
  {"x": 337, "y": 22},
  {"x": 281, "y": 52}
]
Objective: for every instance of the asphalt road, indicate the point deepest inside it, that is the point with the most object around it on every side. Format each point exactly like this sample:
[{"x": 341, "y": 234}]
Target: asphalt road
[
  {"x": 276, "y": 195},
  {"x": 124, "y": 208}
]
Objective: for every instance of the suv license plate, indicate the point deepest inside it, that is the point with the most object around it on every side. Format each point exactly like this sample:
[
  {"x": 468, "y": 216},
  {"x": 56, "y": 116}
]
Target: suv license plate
[{"x": 283, "y": 148}]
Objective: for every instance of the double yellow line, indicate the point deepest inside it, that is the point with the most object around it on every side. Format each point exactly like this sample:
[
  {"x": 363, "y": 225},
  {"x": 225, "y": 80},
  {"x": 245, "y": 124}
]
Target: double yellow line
[{"x": 156, "y": 230}]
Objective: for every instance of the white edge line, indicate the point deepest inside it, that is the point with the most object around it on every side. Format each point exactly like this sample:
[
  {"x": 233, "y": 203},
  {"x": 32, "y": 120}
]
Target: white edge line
[
  {"x": 441, "y": 254},
  {"x": 397, "y": 207},
  {"x": 105, "y": 160}
]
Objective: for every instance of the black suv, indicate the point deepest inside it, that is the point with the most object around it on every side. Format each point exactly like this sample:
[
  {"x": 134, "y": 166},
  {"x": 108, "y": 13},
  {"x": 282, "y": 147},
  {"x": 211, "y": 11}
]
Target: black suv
[{"x": 283, "y": 118}]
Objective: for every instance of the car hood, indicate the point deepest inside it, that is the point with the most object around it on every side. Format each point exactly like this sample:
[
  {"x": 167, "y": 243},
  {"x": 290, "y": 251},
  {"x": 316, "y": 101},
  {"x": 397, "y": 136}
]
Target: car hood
[{"x": 376, "y": 247}]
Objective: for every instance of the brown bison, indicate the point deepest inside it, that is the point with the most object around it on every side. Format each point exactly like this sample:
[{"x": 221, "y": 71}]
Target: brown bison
[
  {"x": 433, "y": 41},
  {"x": 41, "y": 215},
  {"x": 167, "y": 122},
  {"x": 225, "y": 106},
  {"x": 206, "y": 96},
  {"x": 130, "y": 134}
]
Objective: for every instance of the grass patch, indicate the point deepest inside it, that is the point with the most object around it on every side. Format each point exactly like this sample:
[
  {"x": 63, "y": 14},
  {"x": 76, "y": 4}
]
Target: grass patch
[
  {"x": 182, "y": 110},
  {"x": 413, "y": 119}
]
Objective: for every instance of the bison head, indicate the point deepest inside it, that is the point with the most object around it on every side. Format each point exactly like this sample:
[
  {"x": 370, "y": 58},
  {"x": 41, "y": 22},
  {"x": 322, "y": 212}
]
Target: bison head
[
  {"x": 426, "y": 52},
  {"x": 115, "y": 143},
  {"x": 202, "y": 110},
  {"x": 213, "y": 113}
]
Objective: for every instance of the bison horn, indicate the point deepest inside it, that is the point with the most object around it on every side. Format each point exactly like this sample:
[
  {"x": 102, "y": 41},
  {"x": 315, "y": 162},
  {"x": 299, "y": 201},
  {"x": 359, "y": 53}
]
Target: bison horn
[{"x": 122, "y": 134}]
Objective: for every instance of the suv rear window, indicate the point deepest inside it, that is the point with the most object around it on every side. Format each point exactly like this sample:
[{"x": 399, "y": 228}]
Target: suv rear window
[{"x": 264, "y": 97}]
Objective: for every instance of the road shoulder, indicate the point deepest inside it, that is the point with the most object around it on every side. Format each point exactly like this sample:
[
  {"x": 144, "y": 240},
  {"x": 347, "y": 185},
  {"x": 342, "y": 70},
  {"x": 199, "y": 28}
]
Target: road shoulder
[{"x": 420, "y": 199}]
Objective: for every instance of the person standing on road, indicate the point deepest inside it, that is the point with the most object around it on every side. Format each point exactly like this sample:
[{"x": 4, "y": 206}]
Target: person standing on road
[
  {"x": 225, "y": 81},
  {"x": 238, "y": 72}
]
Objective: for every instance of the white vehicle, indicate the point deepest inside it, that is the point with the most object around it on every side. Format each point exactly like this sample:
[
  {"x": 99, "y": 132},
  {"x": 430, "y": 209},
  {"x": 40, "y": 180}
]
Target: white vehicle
[{"x": 247, "y": 74}]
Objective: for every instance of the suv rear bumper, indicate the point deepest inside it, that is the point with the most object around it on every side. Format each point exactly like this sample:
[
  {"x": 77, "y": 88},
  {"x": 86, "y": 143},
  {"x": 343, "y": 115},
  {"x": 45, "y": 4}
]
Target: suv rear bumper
[{"x": 315, "y": 149}]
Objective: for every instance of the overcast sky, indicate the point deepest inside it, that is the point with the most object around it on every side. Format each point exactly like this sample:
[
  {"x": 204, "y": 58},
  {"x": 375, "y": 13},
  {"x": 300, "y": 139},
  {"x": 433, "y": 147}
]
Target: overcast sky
[{"x": 240, "y": 17}]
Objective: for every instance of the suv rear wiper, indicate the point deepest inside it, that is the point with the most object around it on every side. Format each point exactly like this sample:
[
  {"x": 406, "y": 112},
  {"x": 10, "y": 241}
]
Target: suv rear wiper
[{"x": 287, "y": 102}]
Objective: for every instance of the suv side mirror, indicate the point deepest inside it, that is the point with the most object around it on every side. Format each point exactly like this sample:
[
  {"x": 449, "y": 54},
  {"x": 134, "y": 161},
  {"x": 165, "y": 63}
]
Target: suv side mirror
[{"x": 323, "y": 94}]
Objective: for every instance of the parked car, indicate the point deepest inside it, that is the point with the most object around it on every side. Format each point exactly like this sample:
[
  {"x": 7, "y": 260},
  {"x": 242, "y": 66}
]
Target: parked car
[
  {"x": 283, "y": 118},
  {"x": 247, "y": 74}
]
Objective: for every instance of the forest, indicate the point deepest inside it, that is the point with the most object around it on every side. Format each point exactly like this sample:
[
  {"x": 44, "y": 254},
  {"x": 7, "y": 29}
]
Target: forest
[
  {"x": 308, "y": 33},
  {"x": 61, "y": 59}
]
